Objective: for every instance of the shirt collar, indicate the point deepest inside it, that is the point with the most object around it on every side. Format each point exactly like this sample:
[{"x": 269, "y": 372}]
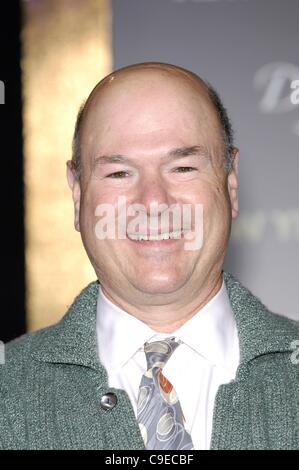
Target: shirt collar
[
  {"x": 119, "y": 334},
  {"x": 211, "y": 332}
]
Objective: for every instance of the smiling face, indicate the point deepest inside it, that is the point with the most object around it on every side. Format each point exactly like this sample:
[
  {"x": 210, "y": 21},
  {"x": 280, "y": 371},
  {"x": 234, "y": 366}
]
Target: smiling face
[{"x": 152, "y": 135}]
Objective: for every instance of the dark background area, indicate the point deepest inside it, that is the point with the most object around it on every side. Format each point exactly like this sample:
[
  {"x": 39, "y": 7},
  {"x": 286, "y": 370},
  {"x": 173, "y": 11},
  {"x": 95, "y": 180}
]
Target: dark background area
[{"x": 12, "y": 312}]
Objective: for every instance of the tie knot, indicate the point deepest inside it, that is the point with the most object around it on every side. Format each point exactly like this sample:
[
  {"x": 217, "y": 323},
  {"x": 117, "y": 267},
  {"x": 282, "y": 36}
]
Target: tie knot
[{"x": 158, "y": 352}]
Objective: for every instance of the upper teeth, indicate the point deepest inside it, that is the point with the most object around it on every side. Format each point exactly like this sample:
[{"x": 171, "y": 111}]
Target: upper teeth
[{"x": 161, "y": 236}]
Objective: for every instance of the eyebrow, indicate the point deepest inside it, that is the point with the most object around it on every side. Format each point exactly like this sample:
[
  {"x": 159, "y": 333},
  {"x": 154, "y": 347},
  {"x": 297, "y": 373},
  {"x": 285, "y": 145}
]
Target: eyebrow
[{"x": 173, "y": 154}]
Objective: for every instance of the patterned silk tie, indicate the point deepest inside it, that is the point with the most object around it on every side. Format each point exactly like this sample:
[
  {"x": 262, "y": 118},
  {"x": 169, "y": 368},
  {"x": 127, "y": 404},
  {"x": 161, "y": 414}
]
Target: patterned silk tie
[{"x": 159, "y": 412}]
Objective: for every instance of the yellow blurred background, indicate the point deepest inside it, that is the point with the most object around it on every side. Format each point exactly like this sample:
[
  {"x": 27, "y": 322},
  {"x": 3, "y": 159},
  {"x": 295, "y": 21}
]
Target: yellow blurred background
[{"x": 66, "y": 51}]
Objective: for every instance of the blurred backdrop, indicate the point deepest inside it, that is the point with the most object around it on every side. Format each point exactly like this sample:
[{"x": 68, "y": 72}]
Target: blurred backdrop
[{"x": 59, "y": 49}]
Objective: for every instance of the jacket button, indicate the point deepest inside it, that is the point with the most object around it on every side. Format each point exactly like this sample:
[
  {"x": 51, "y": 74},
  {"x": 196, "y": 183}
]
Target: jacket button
[{"x": 108, "y": 401}]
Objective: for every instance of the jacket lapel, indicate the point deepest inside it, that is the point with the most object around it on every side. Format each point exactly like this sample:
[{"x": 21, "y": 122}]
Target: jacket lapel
[
  {"x": 70, "y": 396},
  {"x": 73, "y": 339}
]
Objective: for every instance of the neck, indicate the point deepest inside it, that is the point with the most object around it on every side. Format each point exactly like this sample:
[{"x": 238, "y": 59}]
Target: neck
[{"x": 167, "y": 318}]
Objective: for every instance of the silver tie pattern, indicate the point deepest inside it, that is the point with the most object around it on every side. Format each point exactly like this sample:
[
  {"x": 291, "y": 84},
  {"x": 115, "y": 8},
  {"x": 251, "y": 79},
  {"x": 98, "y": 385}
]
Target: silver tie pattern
[{"x": 159, "y": 412}]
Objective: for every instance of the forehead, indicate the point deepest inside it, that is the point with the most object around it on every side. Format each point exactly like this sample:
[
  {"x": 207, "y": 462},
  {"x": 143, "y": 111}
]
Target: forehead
[{"x": 146, "y": 105}]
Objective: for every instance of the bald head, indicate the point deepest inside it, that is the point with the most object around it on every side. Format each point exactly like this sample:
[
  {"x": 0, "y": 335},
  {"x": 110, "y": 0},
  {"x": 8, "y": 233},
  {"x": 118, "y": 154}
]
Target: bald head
[
  {"x": 141, "y": 90},
  {"x": 150, "y": 72}
]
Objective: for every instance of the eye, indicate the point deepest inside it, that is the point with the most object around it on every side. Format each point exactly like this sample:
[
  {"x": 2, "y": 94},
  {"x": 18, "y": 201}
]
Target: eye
[
  {"x": 117, "y": 174},
  {"x": 185, "y": 169}
]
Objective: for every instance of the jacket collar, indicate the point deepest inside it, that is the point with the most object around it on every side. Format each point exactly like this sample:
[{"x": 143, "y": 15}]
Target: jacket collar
[
  {"x": 260, "y": 331},
  {"x": 73, "y": 339}
]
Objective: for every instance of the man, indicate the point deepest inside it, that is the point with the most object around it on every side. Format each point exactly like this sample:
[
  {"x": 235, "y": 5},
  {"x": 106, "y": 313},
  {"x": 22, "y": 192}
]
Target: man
[{"x": 164, "y": 350}]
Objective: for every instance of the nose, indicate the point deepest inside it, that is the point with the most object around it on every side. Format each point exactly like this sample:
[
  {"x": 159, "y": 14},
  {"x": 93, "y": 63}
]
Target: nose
[{"x": 152, "y": 192}]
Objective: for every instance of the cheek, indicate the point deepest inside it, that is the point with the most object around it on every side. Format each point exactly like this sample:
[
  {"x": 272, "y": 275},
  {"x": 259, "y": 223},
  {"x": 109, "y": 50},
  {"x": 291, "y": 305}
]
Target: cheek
[
  {"x": 211, "y": 191},
  {"x": 216, "y": 208},
  {"x": 88, "y": 218},
  {"x": 99, "y": 222}
]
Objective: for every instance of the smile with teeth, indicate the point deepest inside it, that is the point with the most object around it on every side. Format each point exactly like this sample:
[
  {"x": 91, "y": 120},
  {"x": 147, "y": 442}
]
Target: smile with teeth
[{"x": 162, "y": 236}]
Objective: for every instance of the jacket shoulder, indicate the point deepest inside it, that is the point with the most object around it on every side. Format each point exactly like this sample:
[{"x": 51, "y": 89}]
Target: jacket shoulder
[{"x": 17, "y": 358}]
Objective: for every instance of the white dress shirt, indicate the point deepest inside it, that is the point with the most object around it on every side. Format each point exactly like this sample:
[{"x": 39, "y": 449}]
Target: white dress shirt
[{"x": 208, "y": 357}]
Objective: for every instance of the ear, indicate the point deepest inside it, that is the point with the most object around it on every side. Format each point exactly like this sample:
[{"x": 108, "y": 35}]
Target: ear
[
  {"x": 232, "y": 183},
  {"x": 74, "y": 185}
]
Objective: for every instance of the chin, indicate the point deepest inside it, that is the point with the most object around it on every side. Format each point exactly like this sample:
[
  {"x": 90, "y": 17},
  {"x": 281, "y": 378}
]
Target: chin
[{"x": 158, "y": 285}]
